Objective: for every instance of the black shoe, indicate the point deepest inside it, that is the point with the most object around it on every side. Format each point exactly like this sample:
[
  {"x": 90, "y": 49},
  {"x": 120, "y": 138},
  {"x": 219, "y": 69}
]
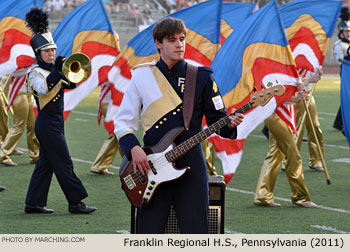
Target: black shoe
[
  {"x": 2, "y": 188},
  {"x": 81, "y": 208},
  {"x": 265, "y": 131},
  {"x": 37, "y": 209}
]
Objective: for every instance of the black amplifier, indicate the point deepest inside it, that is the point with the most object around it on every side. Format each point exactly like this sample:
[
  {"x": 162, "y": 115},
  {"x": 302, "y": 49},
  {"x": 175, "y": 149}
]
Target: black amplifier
[{"x": 216, "y": 211}]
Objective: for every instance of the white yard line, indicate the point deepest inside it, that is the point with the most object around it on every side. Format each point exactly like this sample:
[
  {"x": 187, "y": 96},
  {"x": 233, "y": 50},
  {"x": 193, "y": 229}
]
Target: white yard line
[
  {"x": 330, "y": 229},
  {"x": 83, "y": 113},
  {"x": 341, "y": 160},
  {"x": 339, "y": 210},
  {"x": 89, "y": 162},
  {"x": 82, "y": 120}
]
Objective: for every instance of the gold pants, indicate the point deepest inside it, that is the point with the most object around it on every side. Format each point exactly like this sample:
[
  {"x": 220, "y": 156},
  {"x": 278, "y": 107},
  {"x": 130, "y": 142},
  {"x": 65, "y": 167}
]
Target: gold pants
[
  {"x": 314, "y": 159},
  {"x": 4, "y": 119},
  {"x": 281, "y": 143},
  {"x": 209, "y": 154},
  {"x": 109, "y": 149},
  {"x": 23, "y": 109}
]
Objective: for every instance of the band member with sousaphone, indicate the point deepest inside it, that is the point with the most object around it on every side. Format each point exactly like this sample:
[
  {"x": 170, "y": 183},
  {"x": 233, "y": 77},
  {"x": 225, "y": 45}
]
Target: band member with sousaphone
[
  {"x": 47, "y": 83},
  {"x": 157, "y": 92}
]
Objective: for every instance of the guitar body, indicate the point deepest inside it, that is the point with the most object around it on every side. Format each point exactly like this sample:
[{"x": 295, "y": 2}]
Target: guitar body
[{"x": 140, "y": 189}]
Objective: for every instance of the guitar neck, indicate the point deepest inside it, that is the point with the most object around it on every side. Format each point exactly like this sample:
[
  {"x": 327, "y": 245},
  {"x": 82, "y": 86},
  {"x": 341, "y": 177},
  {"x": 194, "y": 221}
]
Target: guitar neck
[{"x": 181, "y": 149}]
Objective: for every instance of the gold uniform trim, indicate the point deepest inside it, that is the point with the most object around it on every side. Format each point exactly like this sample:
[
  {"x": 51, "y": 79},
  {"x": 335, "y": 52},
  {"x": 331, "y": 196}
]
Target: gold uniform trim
[
  {"x": 125, "y": 133},
  {"x": 168, "y": 102},
  {"x": 45, "y": 99}
]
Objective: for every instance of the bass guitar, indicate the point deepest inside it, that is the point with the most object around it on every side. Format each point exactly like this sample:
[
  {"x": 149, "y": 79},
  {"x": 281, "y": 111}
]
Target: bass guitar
[{"x": 140, "y": 189}]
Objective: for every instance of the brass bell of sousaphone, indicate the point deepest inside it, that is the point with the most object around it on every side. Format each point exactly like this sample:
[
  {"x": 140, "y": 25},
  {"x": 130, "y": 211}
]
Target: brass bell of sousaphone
[{"x": 77, "y": 67}]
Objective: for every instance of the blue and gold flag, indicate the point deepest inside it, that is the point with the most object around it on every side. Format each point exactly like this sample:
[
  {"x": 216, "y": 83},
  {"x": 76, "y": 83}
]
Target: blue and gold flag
[
  {"x": 255, "y": 56},
  {"x": 233, "y": 14},
  {"x": 309, "y": 29},
  {"x": 87, "y": 30},
  {"x": 15, "y": 50}
]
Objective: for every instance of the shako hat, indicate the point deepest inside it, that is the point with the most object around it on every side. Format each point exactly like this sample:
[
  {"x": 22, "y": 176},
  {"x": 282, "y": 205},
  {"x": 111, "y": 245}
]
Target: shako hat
[{"x": 37, "y": 20}]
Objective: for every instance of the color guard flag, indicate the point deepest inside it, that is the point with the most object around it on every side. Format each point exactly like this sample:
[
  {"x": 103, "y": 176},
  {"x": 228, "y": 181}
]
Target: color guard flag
[
  {"x": 202, "y": 43},
  {"x": 345, "y": 98},
  {"x": 253, "y": 57},
  {"x": 233, "y": 14},
  {"x": 15, "y": 50},
  {"x": 87, "y": 30},
  {"x": 309, "y": 29}
]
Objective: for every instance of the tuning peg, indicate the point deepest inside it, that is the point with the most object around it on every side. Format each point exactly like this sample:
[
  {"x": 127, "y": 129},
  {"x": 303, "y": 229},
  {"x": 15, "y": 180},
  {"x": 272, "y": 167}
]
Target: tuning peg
[
  {"x": 262, "y": 86},
  {"x": 254, "y": 89}
]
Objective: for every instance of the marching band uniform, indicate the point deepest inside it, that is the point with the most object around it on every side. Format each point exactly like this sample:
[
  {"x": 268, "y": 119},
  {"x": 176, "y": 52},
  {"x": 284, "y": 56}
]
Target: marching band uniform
[
  {"x": 340, "y": 50},
  {"x": 281, "y": 141},
  {"x": 23, "y": 116},
  {"x": 48, "y": 84},
  {"x": 4, "y": 118},
  {"x": 159, "y": 101},
  {"x": 315, "y": 162},
  {"x": 209, "y": 155},
  {"x": 109, "y": 148},
  {"x": 3, "y": 124}
]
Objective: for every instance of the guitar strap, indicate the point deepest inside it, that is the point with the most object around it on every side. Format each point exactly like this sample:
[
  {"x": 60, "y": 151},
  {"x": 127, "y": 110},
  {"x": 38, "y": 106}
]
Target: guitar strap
[{"x": 190, "y": 88}]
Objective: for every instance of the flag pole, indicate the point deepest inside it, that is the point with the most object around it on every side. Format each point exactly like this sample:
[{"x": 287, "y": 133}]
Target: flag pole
[
  {"x": 3, "y": 94},
  {"x": 317, "y": 143},
  {"x": 301, "y": 122}
]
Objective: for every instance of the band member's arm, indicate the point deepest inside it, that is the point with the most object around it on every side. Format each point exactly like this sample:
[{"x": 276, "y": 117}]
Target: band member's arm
[
  {"x": 126, "y": 123},
  {"x": 339, "y": 52}
]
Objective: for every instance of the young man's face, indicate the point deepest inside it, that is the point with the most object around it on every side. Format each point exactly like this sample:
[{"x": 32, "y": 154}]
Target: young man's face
[{"x": 172, "y": 49}]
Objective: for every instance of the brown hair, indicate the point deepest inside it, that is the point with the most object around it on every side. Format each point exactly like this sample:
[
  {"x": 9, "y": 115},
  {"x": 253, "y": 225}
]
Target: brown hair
[{"x": 167, "y": 27}]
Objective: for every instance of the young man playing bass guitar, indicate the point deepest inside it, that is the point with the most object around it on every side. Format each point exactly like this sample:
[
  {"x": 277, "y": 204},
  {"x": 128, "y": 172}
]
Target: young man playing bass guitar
[{"x": 157, "y": 92}]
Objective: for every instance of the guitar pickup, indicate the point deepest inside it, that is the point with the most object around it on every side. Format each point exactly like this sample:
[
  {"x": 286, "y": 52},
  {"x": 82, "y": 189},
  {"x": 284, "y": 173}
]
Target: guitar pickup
[
  {"x": 154, "y": 170},
  {"x": 141, "y": 177}
]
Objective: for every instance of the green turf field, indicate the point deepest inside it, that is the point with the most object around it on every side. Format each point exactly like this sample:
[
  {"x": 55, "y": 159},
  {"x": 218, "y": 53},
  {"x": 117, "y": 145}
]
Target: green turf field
[{"x": 84, "y": 138}]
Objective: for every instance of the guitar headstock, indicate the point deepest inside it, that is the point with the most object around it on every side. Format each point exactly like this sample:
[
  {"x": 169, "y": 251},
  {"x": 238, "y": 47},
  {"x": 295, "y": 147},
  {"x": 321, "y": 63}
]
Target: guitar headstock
[{"x": 262, "y": 97}]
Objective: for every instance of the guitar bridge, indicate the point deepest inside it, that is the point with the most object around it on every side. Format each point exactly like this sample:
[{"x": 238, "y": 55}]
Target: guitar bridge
[{"x": 130, "y": 183}]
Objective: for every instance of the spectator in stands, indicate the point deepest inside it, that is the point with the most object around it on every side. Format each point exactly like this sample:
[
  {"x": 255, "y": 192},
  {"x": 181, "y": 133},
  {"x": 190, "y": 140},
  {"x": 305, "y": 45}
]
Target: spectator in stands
[
  {"x": 181, "y": 4},
  {"x": 193, "y": 2},
  {"x": 147, "y": 15},
  {"x": 169, "y": 5},
  {"x": 70, "y": 5},
  {"x": 116, "y": 6},
  {"x": 134, "y": 14},
  {"x": 57, "y": 7}
]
